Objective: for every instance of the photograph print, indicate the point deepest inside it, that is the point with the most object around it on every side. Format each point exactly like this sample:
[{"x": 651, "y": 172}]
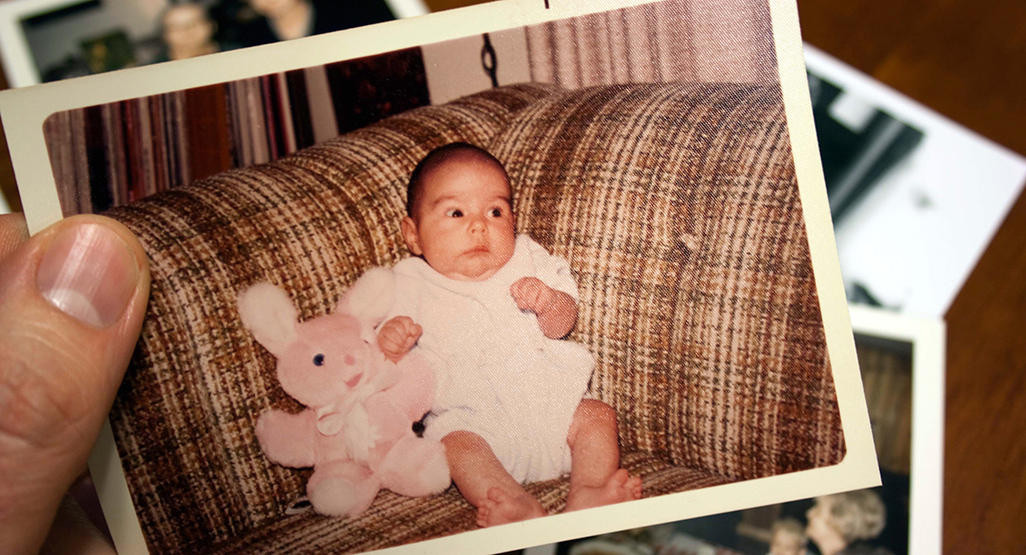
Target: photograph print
[{"x": 311, "y": 371}]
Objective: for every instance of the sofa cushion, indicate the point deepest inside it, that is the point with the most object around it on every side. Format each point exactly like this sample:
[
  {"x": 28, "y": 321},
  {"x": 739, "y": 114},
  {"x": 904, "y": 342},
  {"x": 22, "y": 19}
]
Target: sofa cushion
[
  {"x": 677, "y": 206},
  {"x": 395, "y": 520}
]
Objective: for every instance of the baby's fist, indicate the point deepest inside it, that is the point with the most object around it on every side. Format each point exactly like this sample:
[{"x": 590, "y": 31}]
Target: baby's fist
[
  {"x": 530, "y": 293},
  {"x": 397, "y": 336}
]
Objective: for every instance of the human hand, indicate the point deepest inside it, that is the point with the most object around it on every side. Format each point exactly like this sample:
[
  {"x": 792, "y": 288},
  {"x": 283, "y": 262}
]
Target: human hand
[
  {"x": 72, "y": 300},
  {"x": 397, "y": 337},
  {"x": 556, "y": 310},
  {"x": 531, "y": 293}
]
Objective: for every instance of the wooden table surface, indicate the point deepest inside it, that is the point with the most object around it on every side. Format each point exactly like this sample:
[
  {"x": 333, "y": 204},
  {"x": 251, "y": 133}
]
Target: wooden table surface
[{"x": 965, "y": 60}]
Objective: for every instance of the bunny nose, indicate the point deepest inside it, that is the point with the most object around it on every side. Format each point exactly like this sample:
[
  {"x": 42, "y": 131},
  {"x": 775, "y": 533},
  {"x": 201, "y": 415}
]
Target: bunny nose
[{"x": 349, "y": 360}]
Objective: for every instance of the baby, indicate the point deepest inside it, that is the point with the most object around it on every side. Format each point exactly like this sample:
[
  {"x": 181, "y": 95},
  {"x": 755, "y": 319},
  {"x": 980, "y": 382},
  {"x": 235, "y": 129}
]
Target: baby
[{"x": 488, "y": 309}]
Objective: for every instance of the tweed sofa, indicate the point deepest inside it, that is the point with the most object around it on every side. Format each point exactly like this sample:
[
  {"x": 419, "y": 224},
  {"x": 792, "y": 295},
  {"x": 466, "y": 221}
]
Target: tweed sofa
[{"x": 676, "y": 206}]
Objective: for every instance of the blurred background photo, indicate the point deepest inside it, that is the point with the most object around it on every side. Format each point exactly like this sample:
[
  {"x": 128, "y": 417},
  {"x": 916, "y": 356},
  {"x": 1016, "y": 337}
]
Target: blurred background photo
[{"x": 49, "y": 40}]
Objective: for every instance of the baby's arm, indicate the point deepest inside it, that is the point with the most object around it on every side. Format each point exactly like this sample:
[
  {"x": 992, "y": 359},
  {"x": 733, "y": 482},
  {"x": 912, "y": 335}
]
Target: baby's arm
[
  {"x": 556, "y": 310},
  {"x": 398, "y": 336}
]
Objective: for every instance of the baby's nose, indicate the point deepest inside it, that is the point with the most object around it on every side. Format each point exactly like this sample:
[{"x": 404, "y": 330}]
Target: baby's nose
[{"x": 477, "y": 225}]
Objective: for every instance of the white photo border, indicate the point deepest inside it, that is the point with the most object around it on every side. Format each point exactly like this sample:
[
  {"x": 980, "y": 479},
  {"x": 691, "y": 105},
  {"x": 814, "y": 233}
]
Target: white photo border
[
  {"x": 926, "y": 480},
  {"x": 24, "y": 110}
]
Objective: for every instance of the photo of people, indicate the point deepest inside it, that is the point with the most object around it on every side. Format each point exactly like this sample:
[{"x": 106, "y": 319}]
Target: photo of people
[
  {"x": 188, "y": 31},
  {"x": 60, "y": 37},
  {"x": 580, "y": 266}
]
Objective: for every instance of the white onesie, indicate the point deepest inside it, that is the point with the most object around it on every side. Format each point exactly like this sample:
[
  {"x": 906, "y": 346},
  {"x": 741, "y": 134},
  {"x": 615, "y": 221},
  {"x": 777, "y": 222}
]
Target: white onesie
[{"x": 498, "y": 375}]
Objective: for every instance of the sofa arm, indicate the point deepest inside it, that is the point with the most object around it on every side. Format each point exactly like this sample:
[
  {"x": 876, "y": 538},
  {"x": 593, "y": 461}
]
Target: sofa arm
[
  {"x": 311, "y": 224},
  {"x": 677, "y": 207}
]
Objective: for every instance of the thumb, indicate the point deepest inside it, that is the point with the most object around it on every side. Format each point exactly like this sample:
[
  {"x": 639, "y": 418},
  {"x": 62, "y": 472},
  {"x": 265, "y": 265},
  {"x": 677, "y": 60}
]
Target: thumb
[{"x": 72, "y": 300}]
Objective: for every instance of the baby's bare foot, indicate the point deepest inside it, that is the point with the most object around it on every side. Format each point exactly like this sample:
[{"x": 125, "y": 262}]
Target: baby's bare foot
[
  {"x": 621, "y": 486},
  {"x": 501, "y": 508}
]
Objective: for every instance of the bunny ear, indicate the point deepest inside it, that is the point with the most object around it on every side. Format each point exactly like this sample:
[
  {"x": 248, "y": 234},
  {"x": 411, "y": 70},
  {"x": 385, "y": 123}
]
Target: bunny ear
[
  {"x": 370, "y": 298},
  {"x": 267, "y": 311}
]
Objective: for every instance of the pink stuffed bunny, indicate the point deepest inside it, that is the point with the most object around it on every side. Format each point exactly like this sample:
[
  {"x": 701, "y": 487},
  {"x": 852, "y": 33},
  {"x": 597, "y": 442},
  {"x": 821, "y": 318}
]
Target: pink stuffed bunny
[{"x": 356, "y": 431}]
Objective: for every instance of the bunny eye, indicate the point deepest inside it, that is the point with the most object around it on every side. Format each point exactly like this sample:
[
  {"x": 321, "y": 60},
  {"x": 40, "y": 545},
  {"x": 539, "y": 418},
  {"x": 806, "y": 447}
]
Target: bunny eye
[{"x": 318, "y": 360}]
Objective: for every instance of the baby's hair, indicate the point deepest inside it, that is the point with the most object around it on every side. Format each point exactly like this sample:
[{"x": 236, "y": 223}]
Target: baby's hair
[{"x": 437, "y": 158}]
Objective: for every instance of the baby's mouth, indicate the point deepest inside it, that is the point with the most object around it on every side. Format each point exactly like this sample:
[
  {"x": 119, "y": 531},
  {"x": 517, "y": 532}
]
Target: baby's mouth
[{"x": 351, "y": 382}]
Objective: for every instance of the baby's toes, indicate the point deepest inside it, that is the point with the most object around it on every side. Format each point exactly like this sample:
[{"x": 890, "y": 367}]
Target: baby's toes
[
  {"x": 484, "y": 513},
  {"x": 634, "y": 487}
]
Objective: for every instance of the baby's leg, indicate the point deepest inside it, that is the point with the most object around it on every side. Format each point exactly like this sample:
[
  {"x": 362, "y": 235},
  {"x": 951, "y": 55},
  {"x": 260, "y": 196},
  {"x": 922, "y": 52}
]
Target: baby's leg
[
  {"x": 484, "y": 482},
  {"x": 595, "y": 475}
]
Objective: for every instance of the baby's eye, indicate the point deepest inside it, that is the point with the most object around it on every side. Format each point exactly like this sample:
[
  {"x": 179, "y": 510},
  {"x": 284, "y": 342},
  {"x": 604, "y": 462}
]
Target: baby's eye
[
  {"x": 495, "y": 212},
  {"x": 318, "y": 360},
  {"x": 454, "y": 213}
]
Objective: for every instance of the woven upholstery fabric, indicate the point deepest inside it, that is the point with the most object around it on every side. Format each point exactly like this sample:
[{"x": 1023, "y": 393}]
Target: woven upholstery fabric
[
  {"x": 677, "y": 208},
  {"x": 394, "y": 520}
]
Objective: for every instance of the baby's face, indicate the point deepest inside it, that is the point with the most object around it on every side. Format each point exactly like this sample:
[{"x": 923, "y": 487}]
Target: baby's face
[{"x": 463, "y": 222}]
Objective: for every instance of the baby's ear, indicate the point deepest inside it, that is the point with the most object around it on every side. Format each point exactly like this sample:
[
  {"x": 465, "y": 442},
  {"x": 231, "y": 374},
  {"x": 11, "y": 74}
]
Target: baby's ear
[
  {"x": 269, "y": 314},
  {"x": 411, "y": 236},
  {"x": 370, "y": 298}
]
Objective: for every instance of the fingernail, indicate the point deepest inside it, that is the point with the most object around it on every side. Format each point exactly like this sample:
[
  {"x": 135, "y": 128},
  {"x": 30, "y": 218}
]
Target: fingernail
[{"x": 88, "y": 273}]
